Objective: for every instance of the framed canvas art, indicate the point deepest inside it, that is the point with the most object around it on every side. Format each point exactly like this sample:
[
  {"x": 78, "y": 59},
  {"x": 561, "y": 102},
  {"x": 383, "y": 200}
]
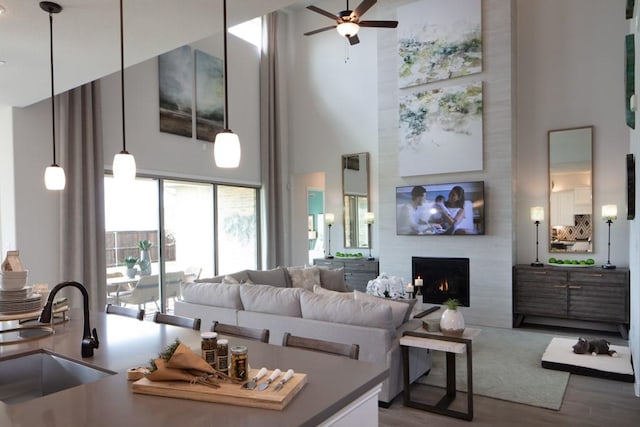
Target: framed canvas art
[
  {"x": 209, "y": 96},
  {"x": 175, "y": 77}
]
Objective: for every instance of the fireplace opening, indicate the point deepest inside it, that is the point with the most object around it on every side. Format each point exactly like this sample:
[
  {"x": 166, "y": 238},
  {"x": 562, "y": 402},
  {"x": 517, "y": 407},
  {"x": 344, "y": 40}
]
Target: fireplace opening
[{"x": 442, "y": 278}]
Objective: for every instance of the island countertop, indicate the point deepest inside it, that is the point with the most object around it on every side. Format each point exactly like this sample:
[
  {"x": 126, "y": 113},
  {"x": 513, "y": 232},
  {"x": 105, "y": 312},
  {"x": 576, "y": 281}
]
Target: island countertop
[{"x": 333, "y": 382}]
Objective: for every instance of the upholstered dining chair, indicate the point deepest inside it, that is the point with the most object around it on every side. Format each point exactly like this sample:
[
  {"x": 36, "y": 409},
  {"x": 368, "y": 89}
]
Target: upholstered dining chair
[
  {"x": 348, "y": 350},
  {"x": 241, "y": 331},
  {"x": 171, "y": 319},
  {"x": 125, "y": 311}
]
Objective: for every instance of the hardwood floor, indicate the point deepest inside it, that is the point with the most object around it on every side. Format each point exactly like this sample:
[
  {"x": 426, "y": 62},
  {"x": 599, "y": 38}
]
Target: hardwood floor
[{"x": 588, "y": 402}]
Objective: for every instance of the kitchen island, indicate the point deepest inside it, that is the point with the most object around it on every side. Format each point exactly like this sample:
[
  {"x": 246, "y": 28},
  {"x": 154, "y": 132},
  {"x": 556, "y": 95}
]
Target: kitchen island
[{"x": 339, "y": 391}]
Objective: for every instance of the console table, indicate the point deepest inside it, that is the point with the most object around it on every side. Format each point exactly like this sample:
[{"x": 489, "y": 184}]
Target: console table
[
  {"x": 450, "y": 345},
  {"x": 576, "y": 293},
  {"x": 357, "y": 271}
]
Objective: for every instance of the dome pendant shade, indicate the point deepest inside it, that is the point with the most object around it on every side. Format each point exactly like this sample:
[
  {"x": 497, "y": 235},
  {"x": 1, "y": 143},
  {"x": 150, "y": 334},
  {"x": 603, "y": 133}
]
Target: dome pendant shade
[
  {"x": 348, "y": 29},
  {"x": 54, "y": 178},
  {"x": 124, "y": 166},
  {"x": 226, "y": 149}
]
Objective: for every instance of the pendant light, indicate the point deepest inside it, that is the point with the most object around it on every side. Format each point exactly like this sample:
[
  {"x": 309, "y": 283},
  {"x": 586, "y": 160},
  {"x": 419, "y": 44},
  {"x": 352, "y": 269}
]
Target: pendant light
[
  {"x": 226, "y": 148},
  {"x": 124, "y": 164},
  {"x": 54, "y": 178}
]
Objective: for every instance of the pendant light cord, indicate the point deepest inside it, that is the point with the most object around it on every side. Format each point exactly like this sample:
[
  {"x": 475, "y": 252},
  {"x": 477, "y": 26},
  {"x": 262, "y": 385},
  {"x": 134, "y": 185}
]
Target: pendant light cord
[
  {"x": 124, "y": 138},
  {"x": 226, "y": 84},
  {"x": 53, "y": 104}
]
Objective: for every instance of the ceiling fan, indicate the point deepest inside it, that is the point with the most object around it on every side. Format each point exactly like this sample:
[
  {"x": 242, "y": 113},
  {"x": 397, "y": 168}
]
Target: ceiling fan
[{"x": 348, "y": 22}]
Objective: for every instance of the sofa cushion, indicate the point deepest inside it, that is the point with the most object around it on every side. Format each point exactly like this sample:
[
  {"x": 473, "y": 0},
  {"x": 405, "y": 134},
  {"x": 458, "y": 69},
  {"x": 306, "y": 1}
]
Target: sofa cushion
[
  {"x": 240, "y": 276},
  {"x": 399, "y": 310},
  {"x": 275, "y": 277},
  {"x": 304, "y": 277},
  {"x": 230, "y": 280},
  {"x": 215, "y": 294},
  {"x": 271, "y": 299},
  {"x": 332, "y": 279},
  {"x": 338, "y": 309},
  {"x": 322, "y": 291}
]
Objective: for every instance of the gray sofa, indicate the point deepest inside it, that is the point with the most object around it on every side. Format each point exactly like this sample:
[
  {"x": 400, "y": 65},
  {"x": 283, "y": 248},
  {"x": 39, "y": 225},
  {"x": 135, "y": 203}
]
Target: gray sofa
[{"x": 299, "y": 301}]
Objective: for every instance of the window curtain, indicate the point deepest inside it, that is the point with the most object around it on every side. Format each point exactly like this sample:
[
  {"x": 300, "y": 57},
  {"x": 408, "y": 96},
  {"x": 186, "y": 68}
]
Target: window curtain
[
  {"x": 271, "y": 150},
  {"x": 82, "y": 241}
]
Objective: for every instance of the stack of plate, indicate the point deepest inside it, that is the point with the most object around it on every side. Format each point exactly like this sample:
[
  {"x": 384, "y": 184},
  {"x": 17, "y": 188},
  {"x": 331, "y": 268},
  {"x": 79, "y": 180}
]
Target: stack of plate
[
  {"x": 13, "y": 279},
  {"x": 19, "y": 301}
]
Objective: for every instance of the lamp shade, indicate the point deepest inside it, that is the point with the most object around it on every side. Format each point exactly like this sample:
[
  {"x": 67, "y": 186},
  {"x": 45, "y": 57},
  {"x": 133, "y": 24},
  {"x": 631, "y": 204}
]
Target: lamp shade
[
  {"x": 348, "y": 29},
  {"x": 329, "y": 218},
  {"x": 537, "y": 213},
  {"x": 124, "y": 166},
  {"x": 226, "y": 149},
  {"x": 54, "y": 178},
  {"x": 609, "y": 212},
  {"x": 369, "y": 217}
]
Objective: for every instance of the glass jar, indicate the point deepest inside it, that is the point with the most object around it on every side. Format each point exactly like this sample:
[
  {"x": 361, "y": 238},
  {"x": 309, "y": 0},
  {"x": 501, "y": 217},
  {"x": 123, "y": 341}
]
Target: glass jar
[
  {"x": 239, "y": 363},
  {"x": 222, "y": 356},
  {"x": 209, "y": 346}
]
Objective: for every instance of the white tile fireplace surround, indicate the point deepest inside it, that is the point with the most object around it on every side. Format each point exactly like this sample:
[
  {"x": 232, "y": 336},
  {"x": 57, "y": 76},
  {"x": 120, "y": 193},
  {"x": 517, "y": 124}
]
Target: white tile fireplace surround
[{"x": 442, "y": 278}]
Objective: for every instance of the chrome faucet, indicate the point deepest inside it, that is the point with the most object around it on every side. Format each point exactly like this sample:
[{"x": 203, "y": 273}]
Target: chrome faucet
[{"x": 89, "y": 339}]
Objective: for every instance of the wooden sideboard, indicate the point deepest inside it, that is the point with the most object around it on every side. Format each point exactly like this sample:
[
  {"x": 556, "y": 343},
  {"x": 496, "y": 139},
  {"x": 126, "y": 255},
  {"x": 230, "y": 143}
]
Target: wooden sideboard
[
  {"x": 578, "y": 293},
  {"x": 357, "y": 271}
]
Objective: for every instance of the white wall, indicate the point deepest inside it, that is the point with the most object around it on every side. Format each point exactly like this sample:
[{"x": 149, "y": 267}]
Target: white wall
[
  {"x": 7, "y": 199},
  {"x": 570, "y": 73}
]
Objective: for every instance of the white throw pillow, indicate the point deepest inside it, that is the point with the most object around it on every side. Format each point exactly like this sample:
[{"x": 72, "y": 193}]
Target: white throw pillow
[
  {"x": 304, "y": 277},
  {"x": 399, "y": 310}
]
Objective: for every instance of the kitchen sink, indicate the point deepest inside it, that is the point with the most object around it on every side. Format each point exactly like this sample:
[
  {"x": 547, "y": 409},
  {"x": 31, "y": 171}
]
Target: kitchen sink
[{"x": 40, "y": 373}]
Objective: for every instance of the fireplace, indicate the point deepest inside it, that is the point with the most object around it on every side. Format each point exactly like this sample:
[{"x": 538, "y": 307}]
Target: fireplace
[{"x": 442, "y": 278}]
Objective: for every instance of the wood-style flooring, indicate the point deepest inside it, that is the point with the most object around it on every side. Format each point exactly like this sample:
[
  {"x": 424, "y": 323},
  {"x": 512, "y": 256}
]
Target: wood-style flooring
[{"x": 587, "y": 402}]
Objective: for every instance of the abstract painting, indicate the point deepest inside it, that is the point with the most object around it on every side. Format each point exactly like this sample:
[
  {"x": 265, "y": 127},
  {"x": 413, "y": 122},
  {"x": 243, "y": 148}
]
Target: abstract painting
[
  {"x": 209, "y": 96},
  {"x": 175, "y": 76},
  {"x": 441, "y": 130},
  {"x": 439, "y": 40}
]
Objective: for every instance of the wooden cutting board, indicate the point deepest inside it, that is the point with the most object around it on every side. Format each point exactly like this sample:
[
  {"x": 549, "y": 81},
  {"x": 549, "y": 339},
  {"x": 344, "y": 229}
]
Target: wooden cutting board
[{"x": 232, "y": 394}]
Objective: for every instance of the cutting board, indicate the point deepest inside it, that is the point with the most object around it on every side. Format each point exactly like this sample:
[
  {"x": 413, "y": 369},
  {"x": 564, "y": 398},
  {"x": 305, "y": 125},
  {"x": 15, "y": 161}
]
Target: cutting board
[{"x": 232, "y": 394}]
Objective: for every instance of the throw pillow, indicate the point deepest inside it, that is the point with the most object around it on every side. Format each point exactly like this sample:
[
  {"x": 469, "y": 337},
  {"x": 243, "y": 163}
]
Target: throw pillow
[
  {"x": 319, "y": 290},
  {"x": 271, "y": 299},
  {"x": 304, "y": 277},
  {"x": 333, "y": 279},
  {"x": 275, "y": 277},
  {"x": 214, "y": 294},
  {"x": 399, "y": 310},
  {"x": 230, "y": 280},
  {"x": 344, "y": 310}
]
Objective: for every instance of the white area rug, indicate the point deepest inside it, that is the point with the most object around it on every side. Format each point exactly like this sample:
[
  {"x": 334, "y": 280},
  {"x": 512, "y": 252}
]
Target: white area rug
[{"x": 559, "y": 355}]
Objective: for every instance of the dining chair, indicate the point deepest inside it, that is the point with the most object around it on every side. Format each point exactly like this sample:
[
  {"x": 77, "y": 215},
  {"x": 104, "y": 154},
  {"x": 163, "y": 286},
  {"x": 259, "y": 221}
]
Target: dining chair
[
  {"x": 241, "y": 331},
  {"x": 144, "y": 291},
  {"x": 348, "y": 350},
  {"x": 172, "y": 319},
  {"x": 124, "y": 311}
]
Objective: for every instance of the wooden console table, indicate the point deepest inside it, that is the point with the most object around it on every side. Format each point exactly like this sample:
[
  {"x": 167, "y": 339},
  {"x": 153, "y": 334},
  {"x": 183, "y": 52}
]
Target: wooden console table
[{"x": 450, "y": 345}]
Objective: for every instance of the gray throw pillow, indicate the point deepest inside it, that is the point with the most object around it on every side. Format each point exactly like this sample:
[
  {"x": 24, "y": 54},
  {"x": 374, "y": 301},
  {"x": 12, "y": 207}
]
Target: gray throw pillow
[
  {"x": 214, "y": 294},
  {"x": 322, "y": 291},
  {"x": 275, "y": 277},
  {"x": 333, "y": 279},
  {"x": 338, "y": 309},
  {"x": 271, "y": 299},
  {"x": 304, "y": 277}
]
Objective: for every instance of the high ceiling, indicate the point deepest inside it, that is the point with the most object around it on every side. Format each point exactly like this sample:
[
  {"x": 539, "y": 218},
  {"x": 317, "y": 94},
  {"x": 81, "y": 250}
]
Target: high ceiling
[{"x": 86, "y": 37}]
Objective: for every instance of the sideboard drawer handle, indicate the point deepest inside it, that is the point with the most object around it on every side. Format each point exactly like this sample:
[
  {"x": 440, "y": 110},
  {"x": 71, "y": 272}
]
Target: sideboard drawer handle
[
  {"x": 539, "y": 272},
  {"x": 575, "y": 287},
  {"x": 596, "y": 275},
  {"x": 558, "y": 286}
]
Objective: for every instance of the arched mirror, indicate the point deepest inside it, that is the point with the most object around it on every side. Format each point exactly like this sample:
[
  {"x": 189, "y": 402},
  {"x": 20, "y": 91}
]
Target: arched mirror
[
  {"x": 355, "y": 194},
  {"x": 570, "y": 190}
]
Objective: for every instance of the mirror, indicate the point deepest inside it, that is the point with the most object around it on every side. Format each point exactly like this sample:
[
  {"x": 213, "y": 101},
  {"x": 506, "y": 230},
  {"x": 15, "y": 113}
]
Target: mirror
[
  {"x": 355, "y": 194},
  {"x": 570, "y": 190}
]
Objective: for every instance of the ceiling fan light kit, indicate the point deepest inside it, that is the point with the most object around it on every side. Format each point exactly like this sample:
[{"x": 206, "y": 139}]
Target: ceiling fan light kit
[{"x": 348, "y": 29}]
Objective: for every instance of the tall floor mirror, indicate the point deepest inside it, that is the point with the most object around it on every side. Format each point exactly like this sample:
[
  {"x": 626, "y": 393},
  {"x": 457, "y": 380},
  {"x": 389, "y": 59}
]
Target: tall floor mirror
[{"x": 355, "y": 193}]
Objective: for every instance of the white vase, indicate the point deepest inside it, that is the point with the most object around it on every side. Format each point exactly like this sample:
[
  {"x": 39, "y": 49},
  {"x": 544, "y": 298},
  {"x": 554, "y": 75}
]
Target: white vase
[{"x": 452, "y": 323}]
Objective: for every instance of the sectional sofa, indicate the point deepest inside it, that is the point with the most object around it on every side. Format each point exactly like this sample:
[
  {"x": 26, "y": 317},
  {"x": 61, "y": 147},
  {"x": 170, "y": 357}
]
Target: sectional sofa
[{"x": 311, "y": 302}]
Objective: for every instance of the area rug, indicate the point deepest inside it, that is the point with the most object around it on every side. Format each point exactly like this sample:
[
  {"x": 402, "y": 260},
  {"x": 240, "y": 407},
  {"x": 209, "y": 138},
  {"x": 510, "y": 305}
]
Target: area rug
[
  {"x": 506, "y": 365},
  {"x": 559, "y": 355}
]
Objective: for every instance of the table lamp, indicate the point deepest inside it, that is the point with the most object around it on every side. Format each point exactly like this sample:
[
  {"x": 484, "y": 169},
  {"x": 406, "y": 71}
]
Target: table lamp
[
  {"x": 370, "y": 219},
  {"x": 609, "y": 213},
  {"x": 537, "y": 216}
]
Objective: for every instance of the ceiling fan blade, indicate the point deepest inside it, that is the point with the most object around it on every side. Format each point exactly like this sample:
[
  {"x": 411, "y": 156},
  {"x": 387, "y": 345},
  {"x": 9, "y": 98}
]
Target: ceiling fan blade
[
  {"x": 354, "y": 40},
  {"x": 362, "y": 8},
  {"x": 319, "y": 30},
  {"x": 383, "y": 24},
  {"x": 323, "y": 12}
]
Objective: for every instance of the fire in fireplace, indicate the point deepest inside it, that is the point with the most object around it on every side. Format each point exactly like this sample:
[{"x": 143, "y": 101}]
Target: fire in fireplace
[{"x": 442, "y": 278}]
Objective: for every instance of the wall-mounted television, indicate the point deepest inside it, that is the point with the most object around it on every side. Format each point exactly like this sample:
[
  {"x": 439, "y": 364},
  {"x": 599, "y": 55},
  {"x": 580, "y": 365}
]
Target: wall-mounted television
[{"x": 440, "y": 209}]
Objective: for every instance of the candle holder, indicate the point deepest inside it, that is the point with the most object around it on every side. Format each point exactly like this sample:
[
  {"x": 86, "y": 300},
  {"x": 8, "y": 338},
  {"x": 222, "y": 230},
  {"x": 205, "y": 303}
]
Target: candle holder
[
  {"x": 329, "y": 219},
  {"x": 537, "y": 216},
  {"x": 369, "y": 218},
  {"x": 609, "y": 214}
]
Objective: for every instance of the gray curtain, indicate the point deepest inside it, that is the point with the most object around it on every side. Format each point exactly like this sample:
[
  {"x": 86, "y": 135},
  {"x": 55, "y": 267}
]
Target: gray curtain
[
  {"x": 270, "y": 143},
  {"x": 82, "y": 241}
]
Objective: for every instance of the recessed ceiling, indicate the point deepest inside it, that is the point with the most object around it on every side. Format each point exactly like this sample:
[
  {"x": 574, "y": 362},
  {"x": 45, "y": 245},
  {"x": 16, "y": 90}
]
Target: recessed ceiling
[{"x": 86, "y": 38}]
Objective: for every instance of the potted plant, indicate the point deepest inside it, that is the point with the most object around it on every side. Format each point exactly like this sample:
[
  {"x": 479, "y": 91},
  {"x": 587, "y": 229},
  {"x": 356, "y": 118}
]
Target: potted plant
[
  {"x": 145, "y": 258},
  {"x": 130, "y": 262},
  {"x": 452, "y": 322}
]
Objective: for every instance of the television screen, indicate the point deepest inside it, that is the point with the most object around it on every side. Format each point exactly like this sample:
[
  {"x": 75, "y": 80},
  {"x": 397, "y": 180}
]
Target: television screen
[{"x": 440, "y": 209}]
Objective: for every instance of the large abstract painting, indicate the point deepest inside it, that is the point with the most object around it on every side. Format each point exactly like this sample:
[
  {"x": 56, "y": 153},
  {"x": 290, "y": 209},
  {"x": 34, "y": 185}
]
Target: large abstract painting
[
  {"x": 175, "y": 75},
  {"x": 209, "y": 96},
  {"x": 438, "y": 40},
  {"x": 441, "y": 130}
]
